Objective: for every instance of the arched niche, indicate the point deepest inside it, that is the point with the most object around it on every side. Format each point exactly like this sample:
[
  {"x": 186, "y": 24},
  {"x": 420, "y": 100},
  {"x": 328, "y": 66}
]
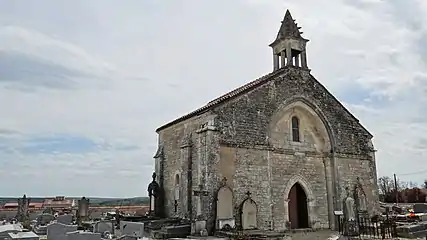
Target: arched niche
[
  {"x": 360, "y": 197},
  {"x": 224, "y": 207},
  {"x": 314, "y": 130},
  {"x": 299, "y": 181},
  {"x": 248, "y": 213}
]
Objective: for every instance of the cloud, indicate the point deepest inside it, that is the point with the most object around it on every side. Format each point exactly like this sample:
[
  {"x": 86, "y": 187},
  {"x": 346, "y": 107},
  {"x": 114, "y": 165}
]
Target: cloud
[
  {"x": 4, "y": 131},
  {"x": 59, "y": 144},
  {"x": 31, "y": 59},
  {"x": 20, "y": 69},
  {"x": 129, "y": 68}
]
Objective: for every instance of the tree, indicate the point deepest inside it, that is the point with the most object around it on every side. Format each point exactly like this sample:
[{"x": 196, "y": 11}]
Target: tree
[
  {"x": 385, "y": 185},
  {"x": 407, "y": 191},
  {"x": 386, "y": 188}
]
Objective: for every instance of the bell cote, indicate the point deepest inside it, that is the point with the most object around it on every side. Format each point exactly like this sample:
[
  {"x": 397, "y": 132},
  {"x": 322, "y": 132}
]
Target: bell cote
[{"x": 289, "y": 48}]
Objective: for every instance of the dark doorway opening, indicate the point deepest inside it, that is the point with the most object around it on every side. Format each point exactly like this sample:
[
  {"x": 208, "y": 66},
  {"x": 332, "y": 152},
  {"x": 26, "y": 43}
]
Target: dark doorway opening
[{"x": 298, "y": 211}]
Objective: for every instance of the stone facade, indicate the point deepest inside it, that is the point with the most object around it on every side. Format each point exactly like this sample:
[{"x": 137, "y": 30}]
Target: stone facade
[{"x": 247, "y": 142}]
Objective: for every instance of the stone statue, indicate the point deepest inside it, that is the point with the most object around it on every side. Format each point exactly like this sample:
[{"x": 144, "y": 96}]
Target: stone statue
[
  {"x": 153, "y": 194},
  {"x": 350, "y": 223},
  {"x": 361, "y": 197},
  {"x": 349, "y": 213}
]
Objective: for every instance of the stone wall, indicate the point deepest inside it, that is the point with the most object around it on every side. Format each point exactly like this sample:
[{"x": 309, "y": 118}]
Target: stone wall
[
  {"x": 175, "y": 161},
  {"x": 250, "y": 145},
  {"x": 333, "y": 137},
  {"x": 268, "y": 176},
  {"x": 245, "y": 119},
  {"x": 351, "y": 168}
]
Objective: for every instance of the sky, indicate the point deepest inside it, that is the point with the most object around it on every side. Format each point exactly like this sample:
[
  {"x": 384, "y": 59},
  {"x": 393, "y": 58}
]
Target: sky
[{"x": 84, "y": 84}]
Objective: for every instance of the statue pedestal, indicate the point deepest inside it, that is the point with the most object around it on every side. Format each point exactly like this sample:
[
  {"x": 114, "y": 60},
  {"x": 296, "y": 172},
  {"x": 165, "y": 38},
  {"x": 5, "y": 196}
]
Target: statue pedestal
[{"x": 351, "y": 229}]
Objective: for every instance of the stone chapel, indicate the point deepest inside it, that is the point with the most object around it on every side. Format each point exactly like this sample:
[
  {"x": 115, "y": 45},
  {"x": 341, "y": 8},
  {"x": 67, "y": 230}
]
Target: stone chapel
[{"x": 274, "y": 154}]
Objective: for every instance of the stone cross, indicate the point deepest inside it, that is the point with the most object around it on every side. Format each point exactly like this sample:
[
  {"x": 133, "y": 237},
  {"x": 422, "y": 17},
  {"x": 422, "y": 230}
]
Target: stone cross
[
  {"x": 23, "y": 214},
  {"x": 199, "y": 193},
  {"x": 154, "y": 176},
  {"x": 248, "y": 193}
]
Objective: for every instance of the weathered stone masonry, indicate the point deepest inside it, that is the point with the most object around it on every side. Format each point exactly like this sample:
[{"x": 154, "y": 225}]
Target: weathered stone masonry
[{"x": 245, "y": 137}]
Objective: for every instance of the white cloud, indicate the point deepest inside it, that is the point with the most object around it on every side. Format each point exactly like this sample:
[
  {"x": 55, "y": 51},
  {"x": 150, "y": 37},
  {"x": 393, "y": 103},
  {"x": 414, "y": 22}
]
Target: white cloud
[
  {"x": 52, "y": 49},
  {"x": 146, "y": 59}
]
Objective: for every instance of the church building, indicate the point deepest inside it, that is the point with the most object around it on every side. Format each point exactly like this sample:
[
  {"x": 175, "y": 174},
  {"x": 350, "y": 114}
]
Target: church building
[{"x": 275, "y": 154}]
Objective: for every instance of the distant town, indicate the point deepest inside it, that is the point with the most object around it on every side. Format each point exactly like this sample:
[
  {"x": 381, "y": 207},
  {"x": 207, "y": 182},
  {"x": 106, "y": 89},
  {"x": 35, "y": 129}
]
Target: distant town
[
  {"x": 62, "y": 204},
  {"x": 62, "y": 217}
]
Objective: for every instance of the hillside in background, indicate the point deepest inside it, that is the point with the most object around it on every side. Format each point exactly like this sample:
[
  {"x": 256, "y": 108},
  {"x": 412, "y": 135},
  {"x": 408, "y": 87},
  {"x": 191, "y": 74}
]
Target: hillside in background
[
  {"x": 124, "y": 202},
  {"x": 95, "y": 201}
]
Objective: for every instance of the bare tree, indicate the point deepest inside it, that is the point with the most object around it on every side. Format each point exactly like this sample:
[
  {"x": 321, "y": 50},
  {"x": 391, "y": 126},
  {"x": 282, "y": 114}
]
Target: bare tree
[
  {"x": 412, "y": 184},
  {"x": 402, "y": 185},
  {"x": 385, "y": 185}
]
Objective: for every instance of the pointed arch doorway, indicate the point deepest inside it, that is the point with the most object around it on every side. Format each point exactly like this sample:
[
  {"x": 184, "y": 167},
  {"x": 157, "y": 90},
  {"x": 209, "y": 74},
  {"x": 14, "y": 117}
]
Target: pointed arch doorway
[{"x": 297, "y": 207}]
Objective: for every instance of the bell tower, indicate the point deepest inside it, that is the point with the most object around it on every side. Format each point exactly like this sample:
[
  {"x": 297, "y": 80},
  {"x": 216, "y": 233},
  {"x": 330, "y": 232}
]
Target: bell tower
[{"x": 289, "y": 48}]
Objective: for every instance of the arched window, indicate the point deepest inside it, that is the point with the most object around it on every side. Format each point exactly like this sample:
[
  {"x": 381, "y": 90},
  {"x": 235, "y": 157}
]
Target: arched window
[
  {"x": 295, "y": 129},
  {"x": 176, "y": 192},
  {"x": 176, "y": 186}
]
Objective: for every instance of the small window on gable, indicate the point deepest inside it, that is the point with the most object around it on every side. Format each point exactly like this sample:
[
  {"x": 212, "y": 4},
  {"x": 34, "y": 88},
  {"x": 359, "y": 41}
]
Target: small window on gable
[{"x": 295, "y": 129}]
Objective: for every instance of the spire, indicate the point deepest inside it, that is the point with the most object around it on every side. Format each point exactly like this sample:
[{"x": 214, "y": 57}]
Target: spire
[
  {"x": 289, "y": 29},
  {"x": 289, "y": 47}
]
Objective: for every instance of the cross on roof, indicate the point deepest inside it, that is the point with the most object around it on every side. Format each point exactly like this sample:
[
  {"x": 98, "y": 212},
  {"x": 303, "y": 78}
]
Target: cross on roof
[{"x": 248, "y": 193}]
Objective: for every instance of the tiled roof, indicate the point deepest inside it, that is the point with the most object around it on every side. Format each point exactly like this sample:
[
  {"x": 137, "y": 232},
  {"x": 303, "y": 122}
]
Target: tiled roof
[
  {"x": 12, "y": 204},
  {"x": 15, "y": 204},
  {"x": 36, "y": 205},
  {"x": 245, "y": 88},
  {"x": 54, "y": 202},
  {"x": 225, "y": 97}
]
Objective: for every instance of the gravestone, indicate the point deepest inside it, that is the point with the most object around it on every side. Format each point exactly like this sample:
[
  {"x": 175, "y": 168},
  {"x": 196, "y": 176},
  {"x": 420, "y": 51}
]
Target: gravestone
[
  {"x": 103, "y": 226},
  {"x": 124, "y": 237},
  {"x": 249, "y": 213},
  {"x": 412, "y": 231},
  {"x": 76, "y": 235},
  {"x": 224, "y": 210},
  {"x": 420, "y": 208},
  {"x": 44, "y": 218},
  {"x": 132, "y": 228},
  {"x": 58, "y": 231},
  {"x": 65, "y": 219}
]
